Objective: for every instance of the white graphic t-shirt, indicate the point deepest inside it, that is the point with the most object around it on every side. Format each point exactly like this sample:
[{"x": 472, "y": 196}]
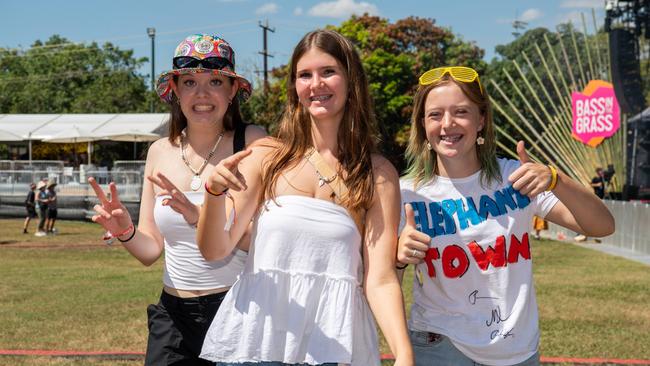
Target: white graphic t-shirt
[{"x": 476, "y": 284}]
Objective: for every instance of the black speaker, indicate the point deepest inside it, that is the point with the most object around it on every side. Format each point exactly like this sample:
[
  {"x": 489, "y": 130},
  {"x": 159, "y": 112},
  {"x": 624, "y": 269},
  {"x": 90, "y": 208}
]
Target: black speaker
[
  {"x": 626, "y": 71},
  {"x": 638, "y": 152}
]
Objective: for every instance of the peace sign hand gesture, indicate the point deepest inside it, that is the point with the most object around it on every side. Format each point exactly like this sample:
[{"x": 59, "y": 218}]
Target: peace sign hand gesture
[
  {"x": 178, "y": 201},
  {"x": 111, "y": 214}
]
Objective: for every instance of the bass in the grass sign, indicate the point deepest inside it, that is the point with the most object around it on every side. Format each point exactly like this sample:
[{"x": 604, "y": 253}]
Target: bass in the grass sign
[{"x": 596, "y": 113}]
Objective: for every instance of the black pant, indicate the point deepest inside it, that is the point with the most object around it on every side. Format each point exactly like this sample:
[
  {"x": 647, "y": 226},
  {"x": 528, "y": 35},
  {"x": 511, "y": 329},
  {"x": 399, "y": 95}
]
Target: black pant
[{"x": 177, "y": 328}]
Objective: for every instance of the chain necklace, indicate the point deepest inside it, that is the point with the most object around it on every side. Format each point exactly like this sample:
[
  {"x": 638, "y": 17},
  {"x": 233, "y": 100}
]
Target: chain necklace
[
  {"x": 322, "y": 180},
  {"x": 196, "y": 179}
]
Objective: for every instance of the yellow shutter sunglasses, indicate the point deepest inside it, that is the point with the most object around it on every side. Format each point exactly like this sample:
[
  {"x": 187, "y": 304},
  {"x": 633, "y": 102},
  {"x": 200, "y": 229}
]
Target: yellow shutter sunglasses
[{"x": 459, "y": 73}]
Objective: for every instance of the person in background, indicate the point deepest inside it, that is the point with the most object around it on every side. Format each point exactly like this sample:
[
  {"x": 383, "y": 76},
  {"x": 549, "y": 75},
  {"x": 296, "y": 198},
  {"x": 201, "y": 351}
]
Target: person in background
[
  {"x": 42, "y": 202},
  {"x": 539, "y": 224},
  {"x": 30, "y": 206},
  {"x": 466, "y": 220},
  {"x": 52, "y": 211},
  {"x": 203, "y": 91},
  {"x": 598, "y": 183}
]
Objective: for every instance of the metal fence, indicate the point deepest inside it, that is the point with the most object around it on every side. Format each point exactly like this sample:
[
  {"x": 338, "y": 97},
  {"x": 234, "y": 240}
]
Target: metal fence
[
  {"x": 632, "y": 226},
  {"x": 131, "y": 165},
  {"x": 31, "y": 165},
  {"x": 72, "y": 182}
]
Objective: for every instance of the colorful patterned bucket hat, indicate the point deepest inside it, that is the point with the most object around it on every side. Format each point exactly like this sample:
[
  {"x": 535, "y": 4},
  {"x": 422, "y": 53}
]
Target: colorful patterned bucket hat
[{"x": 202, "y": 53}]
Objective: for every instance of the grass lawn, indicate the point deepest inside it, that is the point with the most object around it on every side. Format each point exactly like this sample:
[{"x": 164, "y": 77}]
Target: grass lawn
[{"x": 66, "y": 292}]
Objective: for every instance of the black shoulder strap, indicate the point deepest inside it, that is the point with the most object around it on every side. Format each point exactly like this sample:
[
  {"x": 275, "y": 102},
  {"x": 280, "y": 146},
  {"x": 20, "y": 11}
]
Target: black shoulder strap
[{"x": 239, "y": 140}]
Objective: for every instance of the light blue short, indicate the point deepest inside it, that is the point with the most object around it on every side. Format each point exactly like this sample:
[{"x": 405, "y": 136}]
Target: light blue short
[{"x": 436, "y": 349}]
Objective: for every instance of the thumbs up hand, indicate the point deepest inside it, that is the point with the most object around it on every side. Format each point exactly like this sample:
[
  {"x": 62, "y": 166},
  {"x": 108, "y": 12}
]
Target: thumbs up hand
[
  {"x": 412, "y": 245},
  {"x": 530, "y": 178}
]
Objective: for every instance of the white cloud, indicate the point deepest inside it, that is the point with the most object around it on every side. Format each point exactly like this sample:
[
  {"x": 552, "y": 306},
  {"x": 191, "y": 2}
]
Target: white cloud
[
  {"x": 297, "y": 11},
  {"x": 342, "y": 9},
  {"x": 574, "y": 17},
  {"x": 581, "y": 4},
  {"x": 530, "y": 15},
  {"x": 269, "y": 8}
]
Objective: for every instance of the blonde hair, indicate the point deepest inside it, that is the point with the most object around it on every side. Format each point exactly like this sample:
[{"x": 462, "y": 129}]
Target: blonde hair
[
  {"x": 423, "y": 163},
  {"x": 356, "y": 135}
]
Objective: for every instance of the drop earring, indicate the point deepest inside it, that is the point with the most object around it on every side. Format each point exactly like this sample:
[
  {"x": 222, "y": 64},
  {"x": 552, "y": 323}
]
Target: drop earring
[{"x": 429, "y": 147}]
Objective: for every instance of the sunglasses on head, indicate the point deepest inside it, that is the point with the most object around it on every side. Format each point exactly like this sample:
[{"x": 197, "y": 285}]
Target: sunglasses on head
[
  {"x": 459, "y": 73},
  {"x": 212, "y": 63}
]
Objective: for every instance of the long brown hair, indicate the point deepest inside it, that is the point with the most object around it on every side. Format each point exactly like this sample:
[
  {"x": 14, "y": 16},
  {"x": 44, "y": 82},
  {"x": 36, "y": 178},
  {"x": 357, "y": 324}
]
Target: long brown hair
[
  {"x": 357, "y": 131},
  {"x": 178, "y": 121},
  {"x": 423, "y": 163}
]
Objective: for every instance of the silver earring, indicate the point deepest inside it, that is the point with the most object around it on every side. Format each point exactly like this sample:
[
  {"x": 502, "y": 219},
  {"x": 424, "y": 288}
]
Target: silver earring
[
  {"x": 429, "y": 147},
  {"x": 229, "y": 102}
]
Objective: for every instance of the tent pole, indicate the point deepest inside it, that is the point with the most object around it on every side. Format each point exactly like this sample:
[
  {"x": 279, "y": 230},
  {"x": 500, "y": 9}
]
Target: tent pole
[
  {"x": 90, "y": 151},
  {"x": 30, "y": 148}
]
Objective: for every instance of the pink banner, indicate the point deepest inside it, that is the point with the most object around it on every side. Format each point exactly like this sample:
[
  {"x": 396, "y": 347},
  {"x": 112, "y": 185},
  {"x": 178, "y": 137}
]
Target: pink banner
[{"x": 596, "y": 114}]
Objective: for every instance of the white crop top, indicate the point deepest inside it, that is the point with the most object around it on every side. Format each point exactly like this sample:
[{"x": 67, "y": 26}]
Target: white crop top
[{"x": 185, "y": 268}]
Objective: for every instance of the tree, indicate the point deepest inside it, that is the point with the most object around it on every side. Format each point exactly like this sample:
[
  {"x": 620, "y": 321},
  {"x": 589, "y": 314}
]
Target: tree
[
  {"x": 393, "y": 55},
  {"x": 57, "y": 76},
  {"x": 62, "y": 77}
]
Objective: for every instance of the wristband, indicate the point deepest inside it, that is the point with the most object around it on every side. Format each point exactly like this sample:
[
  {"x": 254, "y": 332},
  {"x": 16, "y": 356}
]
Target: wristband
[
  {"x": 109, "y": 237},
  {"x": 553, "y": 183},
  {"x": 207, "y": 189},
  {"x": 401, "y": 267},
  {"x": 130, "y": 237}
]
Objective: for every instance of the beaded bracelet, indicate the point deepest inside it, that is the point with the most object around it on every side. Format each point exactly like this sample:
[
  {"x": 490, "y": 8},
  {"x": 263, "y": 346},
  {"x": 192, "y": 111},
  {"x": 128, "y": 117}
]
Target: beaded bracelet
[
  {"x": 207, "y": 189},
  {"x": 553, "y": 183}
]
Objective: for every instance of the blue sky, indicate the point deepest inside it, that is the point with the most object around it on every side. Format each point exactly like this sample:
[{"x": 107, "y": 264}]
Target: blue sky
[{"x": 124, "y": 23}]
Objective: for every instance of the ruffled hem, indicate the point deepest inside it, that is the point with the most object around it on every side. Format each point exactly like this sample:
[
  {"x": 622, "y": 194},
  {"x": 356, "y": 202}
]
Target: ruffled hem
[{"x": 293, "y": 318}]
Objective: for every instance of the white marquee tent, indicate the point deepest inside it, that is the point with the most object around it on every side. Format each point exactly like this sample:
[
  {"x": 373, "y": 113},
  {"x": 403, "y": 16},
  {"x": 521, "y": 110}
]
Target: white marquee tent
[{"x": 99, "y": 126}]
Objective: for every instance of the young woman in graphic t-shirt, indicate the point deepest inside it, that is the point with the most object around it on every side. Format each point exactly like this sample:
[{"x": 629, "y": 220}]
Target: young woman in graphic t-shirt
[{"x": 465, "y": 228}]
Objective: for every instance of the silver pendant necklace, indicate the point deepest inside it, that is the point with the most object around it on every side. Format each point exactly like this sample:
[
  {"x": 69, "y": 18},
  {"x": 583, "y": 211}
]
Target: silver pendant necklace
[
  {"x": 322, "y": 180},
  {"x": 195, "y": 184}
]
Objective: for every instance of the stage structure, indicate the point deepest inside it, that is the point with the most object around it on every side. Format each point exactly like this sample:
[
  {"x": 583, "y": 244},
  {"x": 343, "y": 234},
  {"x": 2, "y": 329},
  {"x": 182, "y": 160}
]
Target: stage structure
[
  {"x": 536, "y": 101},
  {"x": 628, "y": 25}
]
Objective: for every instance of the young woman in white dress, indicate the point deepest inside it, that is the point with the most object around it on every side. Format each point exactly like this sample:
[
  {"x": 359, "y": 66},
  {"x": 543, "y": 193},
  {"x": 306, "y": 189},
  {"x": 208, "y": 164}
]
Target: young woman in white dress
[{"x": 325, "y": 207}]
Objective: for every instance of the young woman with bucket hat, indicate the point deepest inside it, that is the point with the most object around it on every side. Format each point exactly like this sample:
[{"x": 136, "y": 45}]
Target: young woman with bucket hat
[{"x": 205, "y": 127}]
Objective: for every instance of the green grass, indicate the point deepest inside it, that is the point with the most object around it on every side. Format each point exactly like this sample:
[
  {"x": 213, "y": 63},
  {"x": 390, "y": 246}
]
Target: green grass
[{"x": 65, "y": 292}]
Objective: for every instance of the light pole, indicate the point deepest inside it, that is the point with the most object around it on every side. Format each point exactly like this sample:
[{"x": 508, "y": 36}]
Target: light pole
[{"x": 152, "y": 34}]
